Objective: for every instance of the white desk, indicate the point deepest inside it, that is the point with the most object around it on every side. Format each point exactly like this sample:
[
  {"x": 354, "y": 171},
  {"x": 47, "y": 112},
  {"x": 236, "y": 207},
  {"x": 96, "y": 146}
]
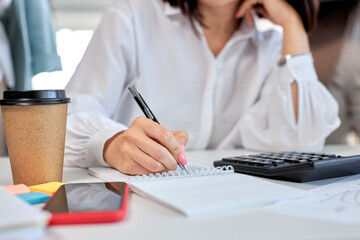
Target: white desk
[{"x": 149, "y": 220}]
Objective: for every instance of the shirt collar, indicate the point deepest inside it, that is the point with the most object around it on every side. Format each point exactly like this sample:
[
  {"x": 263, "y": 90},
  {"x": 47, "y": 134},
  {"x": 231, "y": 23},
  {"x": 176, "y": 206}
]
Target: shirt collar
[
  {"x": 245, "y": 31},
  {"x": 255, "y": 32}
]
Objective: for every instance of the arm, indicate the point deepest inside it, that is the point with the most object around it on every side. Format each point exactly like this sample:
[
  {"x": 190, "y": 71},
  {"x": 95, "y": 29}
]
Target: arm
[
  {"x": 96, "y": 88},
  {"x": 294, "y": 111},
  {"x": 98, "y": 85},
  {"x": 270, "y": 124},
  {"x": 295, "y": 40}
]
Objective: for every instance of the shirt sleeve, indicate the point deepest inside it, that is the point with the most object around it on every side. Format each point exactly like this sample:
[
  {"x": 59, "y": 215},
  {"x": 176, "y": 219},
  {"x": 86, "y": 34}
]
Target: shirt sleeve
[
  {"x": 97, "y": 85},
  {"x": 270, "y": 125}
]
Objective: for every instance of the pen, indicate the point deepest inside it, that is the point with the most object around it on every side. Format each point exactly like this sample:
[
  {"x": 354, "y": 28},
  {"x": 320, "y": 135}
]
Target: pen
[{"x": 148, "y": 113}]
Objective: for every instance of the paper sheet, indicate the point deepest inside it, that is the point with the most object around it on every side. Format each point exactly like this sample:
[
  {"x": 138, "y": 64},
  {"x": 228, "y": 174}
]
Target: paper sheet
[
  {"x": 337, "y": 202},
  {"x": 17, "y": 217}
]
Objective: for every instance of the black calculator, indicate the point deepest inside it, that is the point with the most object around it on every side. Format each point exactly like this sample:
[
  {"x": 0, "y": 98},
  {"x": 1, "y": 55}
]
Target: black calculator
[{"x": 294, "y": 166}]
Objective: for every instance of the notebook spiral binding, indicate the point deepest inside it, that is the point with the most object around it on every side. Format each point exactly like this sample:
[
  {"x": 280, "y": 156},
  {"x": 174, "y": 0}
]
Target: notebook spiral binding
[{"x": 196, "y": 172}]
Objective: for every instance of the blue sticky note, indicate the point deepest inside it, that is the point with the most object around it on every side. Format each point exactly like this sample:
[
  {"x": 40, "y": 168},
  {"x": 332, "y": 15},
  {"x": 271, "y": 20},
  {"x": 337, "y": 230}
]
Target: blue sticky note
[{"x": 34, "y": 197}]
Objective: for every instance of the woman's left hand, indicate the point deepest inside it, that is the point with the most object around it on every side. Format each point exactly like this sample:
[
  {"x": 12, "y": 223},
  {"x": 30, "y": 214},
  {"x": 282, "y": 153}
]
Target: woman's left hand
[
  {"x": 280, "y": 12},
  {"x": 277, "y": 11}
]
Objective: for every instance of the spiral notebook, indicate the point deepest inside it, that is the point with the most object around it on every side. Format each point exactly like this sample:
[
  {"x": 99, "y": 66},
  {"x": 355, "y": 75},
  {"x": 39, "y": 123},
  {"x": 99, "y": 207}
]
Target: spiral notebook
[{"x": 203, "y": 190}]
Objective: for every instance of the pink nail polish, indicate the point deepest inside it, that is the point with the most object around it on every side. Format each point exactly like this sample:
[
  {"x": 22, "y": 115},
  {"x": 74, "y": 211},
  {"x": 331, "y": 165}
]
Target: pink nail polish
[
  {"x": 182, "y": 159},
  {"x": 182, "y": 147}
]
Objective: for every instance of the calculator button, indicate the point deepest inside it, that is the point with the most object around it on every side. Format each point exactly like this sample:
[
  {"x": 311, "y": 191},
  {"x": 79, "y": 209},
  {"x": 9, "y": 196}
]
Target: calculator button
[
  {"x": 241, "y": 160},
  {"x": 329, "y": 155},
  {"x": 263, "y": 164},
  {"x": 278, "y": 162},
  {"x": 244, "y": 158},
  {"x": 296, "y": 160},
  {"x": 260, "y": 159}
]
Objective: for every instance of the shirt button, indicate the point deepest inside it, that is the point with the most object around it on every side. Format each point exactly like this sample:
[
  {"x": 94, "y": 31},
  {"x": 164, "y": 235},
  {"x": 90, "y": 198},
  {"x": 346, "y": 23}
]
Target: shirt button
[{"x": 219, "y": 66}]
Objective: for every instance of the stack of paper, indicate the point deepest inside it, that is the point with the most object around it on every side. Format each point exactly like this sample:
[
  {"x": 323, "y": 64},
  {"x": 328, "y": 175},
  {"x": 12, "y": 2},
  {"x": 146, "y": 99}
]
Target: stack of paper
[
  {"x": 18, "y": 220},
  {"x": 336, "y": 202}
]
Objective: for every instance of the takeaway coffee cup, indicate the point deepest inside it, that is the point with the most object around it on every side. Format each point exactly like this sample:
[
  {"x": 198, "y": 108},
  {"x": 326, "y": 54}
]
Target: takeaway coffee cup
[{"x": 35, "y": 126}]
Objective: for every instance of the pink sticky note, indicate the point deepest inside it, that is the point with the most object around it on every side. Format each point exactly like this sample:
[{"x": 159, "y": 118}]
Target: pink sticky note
[{"x": 17, "y": 189}]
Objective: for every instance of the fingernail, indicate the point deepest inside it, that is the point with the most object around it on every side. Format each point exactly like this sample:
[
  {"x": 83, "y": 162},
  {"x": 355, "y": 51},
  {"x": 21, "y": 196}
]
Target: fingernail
[
  {"x": 182, "y": 147},
  {"x": 237, "y": 15},
  {"x": 182, "y": 159}
]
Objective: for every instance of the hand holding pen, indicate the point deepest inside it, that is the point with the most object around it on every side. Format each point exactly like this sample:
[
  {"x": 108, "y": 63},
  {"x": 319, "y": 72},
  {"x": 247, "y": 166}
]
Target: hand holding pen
[
  {"x": 145, "y": 147},
  {"x": 148, "y": 113}
]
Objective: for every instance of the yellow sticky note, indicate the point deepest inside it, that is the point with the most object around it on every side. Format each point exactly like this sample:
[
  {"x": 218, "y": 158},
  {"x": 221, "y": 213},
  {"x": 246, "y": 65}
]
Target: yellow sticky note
[
  {"x": 48, "y": 188},
  {"x": 17, "y": 189}
]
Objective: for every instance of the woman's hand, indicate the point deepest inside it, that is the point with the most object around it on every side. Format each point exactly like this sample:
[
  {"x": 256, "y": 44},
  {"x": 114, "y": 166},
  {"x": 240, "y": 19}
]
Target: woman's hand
[
  {"x": 281, "y": 13},
  {"x": 145, "y": 147},
  {"x": 277, "y": 11}
]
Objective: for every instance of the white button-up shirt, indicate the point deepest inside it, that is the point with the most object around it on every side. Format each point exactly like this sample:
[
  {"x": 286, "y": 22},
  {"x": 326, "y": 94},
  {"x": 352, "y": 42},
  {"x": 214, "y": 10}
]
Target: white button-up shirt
[{"x": 240, "y": 98}]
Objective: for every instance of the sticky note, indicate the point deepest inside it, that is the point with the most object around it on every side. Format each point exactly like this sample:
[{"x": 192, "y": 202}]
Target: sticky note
[
  {"x": 34, "y": 197},
  {"x": 48, "y": 188},
  {"x": 17, "y": 189}
]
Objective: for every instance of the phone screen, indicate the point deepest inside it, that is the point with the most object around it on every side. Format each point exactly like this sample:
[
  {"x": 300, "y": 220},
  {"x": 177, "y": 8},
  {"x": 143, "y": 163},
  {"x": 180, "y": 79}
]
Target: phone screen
[{"x": 87, "y": 197}]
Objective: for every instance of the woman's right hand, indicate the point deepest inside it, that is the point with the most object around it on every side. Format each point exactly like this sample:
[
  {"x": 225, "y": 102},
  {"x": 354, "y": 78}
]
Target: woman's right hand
[{"x": 145, "y": 147}]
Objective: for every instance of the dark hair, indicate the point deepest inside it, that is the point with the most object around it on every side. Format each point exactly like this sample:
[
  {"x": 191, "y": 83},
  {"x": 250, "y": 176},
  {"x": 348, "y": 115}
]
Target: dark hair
[{"x": 307, "y": 9}]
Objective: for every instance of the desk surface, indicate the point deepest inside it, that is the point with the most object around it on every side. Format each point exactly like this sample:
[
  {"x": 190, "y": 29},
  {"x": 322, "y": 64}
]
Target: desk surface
[{"x": 149, "y": 220}]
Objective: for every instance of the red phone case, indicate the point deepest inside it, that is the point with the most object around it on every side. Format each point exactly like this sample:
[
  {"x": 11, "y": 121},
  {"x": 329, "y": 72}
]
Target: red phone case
[{"x": 92, "y": 217}]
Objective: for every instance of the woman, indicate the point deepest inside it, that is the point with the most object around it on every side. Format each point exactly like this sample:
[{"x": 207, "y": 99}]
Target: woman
[{"x": 207, "y": 67}]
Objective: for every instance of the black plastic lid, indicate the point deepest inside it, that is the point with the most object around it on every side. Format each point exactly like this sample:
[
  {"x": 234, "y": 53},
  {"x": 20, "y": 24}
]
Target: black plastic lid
[{"x": 34, "y": 97}]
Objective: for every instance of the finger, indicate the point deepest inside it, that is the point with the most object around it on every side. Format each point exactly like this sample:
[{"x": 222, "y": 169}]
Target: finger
[
  {"x": 129, "y": 166},
  {"x": 148, "y": 162},
  {"x": 181, "y": 136},
  {"x": 158, "y": 155},
  {"x": 166, "y": 138},
  {"x": 154, "y": 155},
  {"x": 137, "y": 169},
  {"x": 249, "y": 18},
  {"x": 246, "y": 6}
]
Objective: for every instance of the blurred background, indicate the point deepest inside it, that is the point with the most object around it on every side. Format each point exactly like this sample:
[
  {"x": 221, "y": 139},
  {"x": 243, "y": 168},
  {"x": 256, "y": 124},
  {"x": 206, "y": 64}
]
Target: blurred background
[
  {"x": 74, "y": 22},
  {"x": 335, "y": 45}
]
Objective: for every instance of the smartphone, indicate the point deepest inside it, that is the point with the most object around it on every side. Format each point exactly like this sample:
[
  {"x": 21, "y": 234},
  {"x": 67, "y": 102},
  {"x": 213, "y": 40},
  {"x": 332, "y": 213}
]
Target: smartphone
[{"x": 88, "y": 203}]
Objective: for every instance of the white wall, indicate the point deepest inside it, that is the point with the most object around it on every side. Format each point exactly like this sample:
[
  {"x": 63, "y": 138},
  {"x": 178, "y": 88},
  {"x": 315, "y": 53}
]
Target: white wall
[
  {"x": 78, "y": 14},
  {"x": 74, "y": 22}
]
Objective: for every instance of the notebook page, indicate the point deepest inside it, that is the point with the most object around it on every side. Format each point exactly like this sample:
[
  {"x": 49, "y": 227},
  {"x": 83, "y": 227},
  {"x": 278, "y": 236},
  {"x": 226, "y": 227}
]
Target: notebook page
[
  {"x": 200, "y": 195},
  {"x": 212, "y": 194}
]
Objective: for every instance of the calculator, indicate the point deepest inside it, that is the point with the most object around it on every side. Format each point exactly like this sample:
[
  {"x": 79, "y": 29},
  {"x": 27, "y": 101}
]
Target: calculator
[{"x": 294, "y": 166}]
